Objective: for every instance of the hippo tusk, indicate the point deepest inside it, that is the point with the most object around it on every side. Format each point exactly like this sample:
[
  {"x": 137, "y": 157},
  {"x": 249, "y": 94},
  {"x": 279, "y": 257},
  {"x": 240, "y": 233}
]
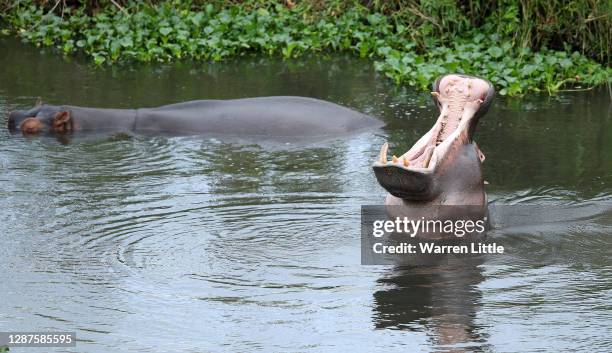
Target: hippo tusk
[
  {"x": 383, "y": 153},
  {"x": 428, "y": 153}
]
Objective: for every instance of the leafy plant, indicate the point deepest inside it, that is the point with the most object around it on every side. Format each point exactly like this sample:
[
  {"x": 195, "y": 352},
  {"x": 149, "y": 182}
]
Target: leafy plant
[{"x": 407, "y": 50}]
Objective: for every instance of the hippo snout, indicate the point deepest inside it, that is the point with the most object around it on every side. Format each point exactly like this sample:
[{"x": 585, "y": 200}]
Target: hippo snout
[{"x": 11, "y": 121}]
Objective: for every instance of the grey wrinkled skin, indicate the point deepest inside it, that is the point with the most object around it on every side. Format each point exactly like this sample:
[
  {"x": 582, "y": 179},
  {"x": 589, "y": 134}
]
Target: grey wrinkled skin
[
  {"x": 263, "y": 116},
  {"x": 457, "y": 181}
]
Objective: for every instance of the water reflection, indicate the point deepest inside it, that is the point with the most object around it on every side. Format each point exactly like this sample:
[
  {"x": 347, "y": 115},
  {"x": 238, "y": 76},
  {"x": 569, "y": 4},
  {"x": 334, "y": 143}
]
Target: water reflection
[{"x": 441, "y": 300}]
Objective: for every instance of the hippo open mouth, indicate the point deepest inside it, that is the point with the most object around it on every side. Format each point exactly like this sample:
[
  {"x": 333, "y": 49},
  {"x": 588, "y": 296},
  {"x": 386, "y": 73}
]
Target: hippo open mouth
[{"x": 462, "y": 100}]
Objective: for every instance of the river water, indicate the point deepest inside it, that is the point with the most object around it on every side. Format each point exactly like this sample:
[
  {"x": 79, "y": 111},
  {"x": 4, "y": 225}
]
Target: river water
[{"x": 193, "y": 244}]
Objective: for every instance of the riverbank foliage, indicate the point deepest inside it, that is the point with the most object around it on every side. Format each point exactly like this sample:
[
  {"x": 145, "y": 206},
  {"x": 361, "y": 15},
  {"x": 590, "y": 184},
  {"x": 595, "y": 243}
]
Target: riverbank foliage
[{"x": 412, "y": 42}]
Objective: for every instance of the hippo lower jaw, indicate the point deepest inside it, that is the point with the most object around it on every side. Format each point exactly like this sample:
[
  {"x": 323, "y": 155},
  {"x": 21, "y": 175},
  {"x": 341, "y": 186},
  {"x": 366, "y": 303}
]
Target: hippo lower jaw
[{"x": 445, "y": 155}]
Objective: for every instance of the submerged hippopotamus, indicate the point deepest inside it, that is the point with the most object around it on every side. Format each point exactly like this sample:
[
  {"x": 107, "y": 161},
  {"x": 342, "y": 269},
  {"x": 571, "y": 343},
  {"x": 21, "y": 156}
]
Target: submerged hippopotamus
[
  {"x": 263, "y": 116},
  {"x": 444, "y": 166}
]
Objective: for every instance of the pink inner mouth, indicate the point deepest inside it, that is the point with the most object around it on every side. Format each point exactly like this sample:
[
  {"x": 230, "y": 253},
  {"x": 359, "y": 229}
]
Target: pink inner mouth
[{"x": 459, "y": 98}]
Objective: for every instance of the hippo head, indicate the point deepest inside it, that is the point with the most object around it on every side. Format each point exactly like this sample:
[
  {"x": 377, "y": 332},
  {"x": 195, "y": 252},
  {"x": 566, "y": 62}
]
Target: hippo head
[
  {"x": 445, "y": 154},
  {"x": 41, "y": 119}
]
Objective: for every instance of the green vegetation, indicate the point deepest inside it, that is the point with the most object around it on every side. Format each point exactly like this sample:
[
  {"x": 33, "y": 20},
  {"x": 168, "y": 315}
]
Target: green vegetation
[
  {"x": 4, "y": 349},
  {"x": 412, "y": 42}
]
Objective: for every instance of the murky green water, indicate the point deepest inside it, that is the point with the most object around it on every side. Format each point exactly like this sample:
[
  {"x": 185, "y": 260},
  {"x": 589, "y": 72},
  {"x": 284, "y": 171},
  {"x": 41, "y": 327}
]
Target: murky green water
[{"x": 202, "y": 244}]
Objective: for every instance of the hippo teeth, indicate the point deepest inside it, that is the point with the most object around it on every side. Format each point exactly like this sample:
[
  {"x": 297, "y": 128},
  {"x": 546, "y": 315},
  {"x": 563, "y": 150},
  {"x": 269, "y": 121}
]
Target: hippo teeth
[
  {"x": 395, "y": 160},
  {"x": 383, "y": 153},
  {"x": 428, "y": 153}
]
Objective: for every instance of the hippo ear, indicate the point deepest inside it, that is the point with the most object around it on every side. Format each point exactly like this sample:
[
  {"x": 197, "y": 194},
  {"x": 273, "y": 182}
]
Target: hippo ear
[{"x": 62, "y": 121}]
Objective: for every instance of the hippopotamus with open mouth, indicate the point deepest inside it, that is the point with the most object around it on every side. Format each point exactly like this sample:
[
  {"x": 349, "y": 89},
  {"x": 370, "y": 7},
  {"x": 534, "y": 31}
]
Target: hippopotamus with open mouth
[
  {"x": 263, "y": 116},
  {"x": 444, "y": 166}
]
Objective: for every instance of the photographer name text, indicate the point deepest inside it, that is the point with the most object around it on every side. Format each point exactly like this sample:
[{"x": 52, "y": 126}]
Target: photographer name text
[{"x": 432, "y": 248}]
